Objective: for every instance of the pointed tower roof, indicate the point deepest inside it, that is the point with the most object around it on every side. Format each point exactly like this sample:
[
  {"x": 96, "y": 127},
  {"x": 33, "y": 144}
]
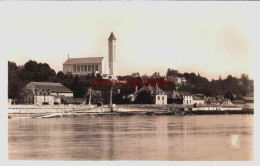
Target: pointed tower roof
[{"x": 112, "y": 36}]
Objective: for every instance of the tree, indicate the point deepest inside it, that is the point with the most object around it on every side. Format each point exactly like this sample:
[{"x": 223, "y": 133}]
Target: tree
[
  {"x": 15, "y": 84},
  {"x": 245, "y": 81},
  {"x": 79, "y": 90},
  {"x": 12, "y": 67},
  {"x": 135, "y": 74},
  {"x": 93, "y": 75},
  {"x": 171, "y": 72},
  {"x": 98, "y": 76},
  {"x": 117, "y": 97},
  {"x": 229, "y": 95},
  {"x": 60, "y": 75},
  {"x": 32, "y": 71},
  {"x": 31, "y": 66},
  {"x": 170, "y": 87},
  {"x": 156, "y": 75}
]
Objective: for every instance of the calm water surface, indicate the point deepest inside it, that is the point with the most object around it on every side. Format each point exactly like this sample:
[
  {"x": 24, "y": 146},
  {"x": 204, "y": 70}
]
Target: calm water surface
[{"x": 213, "y": 137}]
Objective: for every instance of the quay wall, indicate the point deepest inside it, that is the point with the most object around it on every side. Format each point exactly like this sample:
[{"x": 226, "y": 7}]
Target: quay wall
[
  {"x": 41, "y": 109},
  {"x": 48, "y": 108}
]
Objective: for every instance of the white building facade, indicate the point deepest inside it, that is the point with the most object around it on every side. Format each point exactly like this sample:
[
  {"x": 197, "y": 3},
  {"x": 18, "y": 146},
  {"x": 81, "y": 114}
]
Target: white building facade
[
  {"x": 198, "y": 101},
  {"x": 160, "y": 99},
  {"x": 177, "y": 80},
  {"x": 88, "y": 65},
  {"x": 187, "y": 98},
  {"x": 85, "y": 66},
  {"x": 112, "y": 55}
]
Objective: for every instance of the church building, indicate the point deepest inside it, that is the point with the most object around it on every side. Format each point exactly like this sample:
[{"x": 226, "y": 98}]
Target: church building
[{"x": 88, "y": 65}]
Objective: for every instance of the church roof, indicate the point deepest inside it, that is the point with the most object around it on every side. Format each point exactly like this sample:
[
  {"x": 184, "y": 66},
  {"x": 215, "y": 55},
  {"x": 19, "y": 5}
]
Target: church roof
[
  {"x": 112, "y": 36},
  {"x": 54, "y": 87},
  {"x": 72, "y": 61}
]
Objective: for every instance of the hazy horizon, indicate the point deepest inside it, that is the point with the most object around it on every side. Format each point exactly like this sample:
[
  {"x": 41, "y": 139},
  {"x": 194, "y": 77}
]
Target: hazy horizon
[{"x": 211, "y": 39}]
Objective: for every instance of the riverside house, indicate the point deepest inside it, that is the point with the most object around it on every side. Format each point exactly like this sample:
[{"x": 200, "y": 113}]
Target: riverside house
[
  {"x": 198, "y": 100},
  {"x": 177, "y": 80},
  {"x": 249, "y": 99},
  {"x": 47, "y": 93},
  {"x": 187, "y": 98},
  {"x": 174, "y": 97},
  {"x": 158, "y": 95}
]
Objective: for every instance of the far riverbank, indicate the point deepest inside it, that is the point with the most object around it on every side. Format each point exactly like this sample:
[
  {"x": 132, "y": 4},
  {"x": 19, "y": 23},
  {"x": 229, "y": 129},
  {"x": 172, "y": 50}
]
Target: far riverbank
[{"x": 121, "y": 110}]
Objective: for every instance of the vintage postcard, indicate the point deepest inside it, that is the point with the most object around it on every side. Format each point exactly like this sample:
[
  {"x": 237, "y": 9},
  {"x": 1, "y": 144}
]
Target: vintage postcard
[{"x": 130, "y": 81}]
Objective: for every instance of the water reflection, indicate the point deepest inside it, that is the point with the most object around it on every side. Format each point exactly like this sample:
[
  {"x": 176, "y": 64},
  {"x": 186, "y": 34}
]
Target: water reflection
[{"x": 132, "y": 138}]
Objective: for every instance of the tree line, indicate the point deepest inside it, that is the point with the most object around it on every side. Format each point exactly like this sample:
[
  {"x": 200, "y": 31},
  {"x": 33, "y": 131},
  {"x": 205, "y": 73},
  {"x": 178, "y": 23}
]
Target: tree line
[
  {"x": 18, "y": 76},
  {"x": 231, "y": 87}
]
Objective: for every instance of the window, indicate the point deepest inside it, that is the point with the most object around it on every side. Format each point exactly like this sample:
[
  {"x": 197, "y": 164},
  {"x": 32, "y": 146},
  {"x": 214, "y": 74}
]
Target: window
[
  {"x": 78, "y": 68},
  {"x": 93, "y": 68},
  {"x": 89, "y": 68},
  {"x": 82, "y": 68},
  {"x": 163, "y": 98},
  {"x": 74, "y": 68},
  {"x": 96, "y": 67},
  {"x": 85, "y": 67},
  {"x": 158, "y": 97}
]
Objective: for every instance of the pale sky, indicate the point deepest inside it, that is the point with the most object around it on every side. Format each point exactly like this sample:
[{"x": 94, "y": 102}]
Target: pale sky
[{"x": 212, "y": 39}]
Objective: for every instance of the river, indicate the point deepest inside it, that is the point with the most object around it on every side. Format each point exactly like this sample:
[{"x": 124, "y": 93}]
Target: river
[{"x": 173, "y": 138}]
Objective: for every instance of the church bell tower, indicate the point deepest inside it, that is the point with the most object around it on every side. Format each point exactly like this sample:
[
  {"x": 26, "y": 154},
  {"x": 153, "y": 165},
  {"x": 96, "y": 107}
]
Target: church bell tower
[{"x": 112, "y": 54}]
